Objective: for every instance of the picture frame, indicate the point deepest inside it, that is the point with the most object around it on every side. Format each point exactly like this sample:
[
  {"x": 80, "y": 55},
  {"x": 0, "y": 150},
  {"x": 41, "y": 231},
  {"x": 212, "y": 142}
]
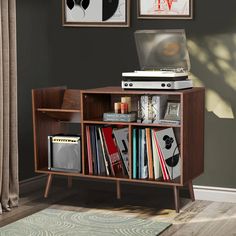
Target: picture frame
[
  {"x": 96, "y": 13},
  {"x": 172, "y": 111},
  {"x": 165, "y": 9}
]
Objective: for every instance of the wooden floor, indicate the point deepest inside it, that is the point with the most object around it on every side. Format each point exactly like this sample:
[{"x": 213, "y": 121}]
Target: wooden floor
[{"x": 196, "y": 218}]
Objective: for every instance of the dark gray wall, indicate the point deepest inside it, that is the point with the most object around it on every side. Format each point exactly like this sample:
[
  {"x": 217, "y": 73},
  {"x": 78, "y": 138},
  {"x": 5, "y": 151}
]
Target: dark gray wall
[
  {"x": 33, "y": 71},
  {"x": 49, "y": 54}
]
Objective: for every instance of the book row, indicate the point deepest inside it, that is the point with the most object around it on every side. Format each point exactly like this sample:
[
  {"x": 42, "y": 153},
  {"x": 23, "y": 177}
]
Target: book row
[
  {"x": 155, "y": 152},
  {"x": 107, "y": 151}
]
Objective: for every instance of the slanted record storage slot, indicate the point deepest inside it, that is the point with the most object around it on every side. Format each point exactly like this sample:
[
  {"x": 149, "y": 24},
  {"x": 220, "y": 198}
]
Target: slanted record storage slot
[{"x": 53, "y": 108}]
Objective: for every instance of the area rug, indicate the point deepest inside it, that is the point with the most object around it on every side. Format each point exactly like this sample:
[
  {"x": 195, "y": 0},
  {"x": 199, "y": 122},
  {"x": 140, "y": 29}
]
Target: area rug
[{"x": 50, "y": 222}]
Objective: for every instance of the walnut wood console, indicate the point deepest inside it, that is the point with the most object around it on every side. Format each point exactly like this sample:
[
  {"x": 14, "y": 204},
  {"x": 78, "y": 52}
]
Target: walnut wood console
[{"x": 55, "y": 108}]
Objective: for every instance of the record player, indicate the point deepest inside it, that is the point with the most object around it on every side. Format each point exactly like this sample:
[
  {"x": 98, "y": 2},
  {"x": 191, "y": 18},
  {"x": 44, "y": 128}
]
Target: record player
[{"x": 164, "y": 61}]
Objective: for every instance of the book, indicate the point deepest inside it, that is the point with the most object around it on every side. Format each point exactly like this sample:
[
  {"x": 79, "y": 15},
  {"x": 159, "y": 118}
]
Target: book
[
  {"x": 90, "y": 161},
  {"x": 161, "y": 159},
  {"x": 130, "y": 117},
  {"x": 121, "y": 136},
  {"x": 170, "y": 151},
  {"x": 146, "y": 111},
  {"x": 156, "y": 162},
  {"x": 100, "y": 159},
  {"x": 158, "y": 106},
  {"x": 94, "y": 151},
  {"x": 171, "y": 122},
  {"x": 134, "y": 141},
  {"x": 140, "y": 144},
  {"x": 149, "y": 153},
  {"x": 104, "y": 155},
  {"x": 113, "y": 153},
  {"x": 143, "y": 156}
]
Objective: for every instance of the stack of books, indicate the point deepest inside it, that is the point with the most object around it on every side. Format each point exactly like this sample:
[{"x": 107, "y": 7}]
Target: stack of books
[
  {"x": 107, "y": 151},
  {"x": 155, "y": 154}
]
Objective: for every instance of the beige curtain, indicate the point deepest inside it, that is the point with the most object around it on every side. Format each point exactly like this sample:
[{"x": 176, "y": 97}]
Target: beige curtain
[{"x": 9, "y": 187}]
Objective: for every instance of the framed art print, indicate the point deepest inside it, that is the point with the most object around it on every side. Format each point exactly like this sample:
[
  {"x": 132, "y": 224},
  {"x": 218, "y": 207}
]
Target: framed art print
[
  {"x": 173, "y": 111},
  {"x": 165, "y": 9},
  {"x": 96, "y": 13}
]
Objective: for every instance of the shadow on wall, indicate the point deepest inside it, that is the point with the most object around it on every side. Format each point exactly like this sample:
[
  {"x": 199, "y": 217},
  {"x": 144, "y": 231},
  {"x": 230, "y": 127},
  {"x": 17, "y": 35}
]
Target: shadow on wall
[{"x": 213, "y": 60}]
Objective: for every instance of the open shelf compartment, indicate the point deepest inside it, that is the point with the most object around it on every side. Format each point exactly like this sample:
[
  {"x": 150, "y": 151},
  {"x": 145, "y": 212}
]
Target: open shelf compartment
[{"x": 96, "y": 104}]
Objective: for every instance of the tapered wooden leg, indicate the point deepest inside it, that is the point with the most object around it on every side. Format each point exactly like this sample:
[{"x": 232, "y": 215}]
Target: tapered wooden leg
[
  {"x": 48, "y": 185},
  {"x": 69, "y": 184},
  {"x": 118, "y": 195},
  {"x": 176, "y": 195},
  {"x": 191, "y": 192}
]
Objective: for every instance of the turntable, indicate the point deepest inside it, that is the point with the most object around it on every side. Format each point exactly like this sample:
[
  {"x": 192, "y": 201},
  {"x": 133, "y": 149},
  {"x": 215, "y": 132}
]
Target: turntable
[{"x": 164, "y": 61}]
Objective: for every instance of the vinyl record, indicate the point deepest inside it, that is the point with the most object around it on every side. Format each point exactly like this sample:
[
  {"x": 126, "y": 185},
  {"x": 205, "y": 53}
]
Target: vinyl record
[
  {"x": 109, "y": 8},
  {"x": 168, "y": 50}
]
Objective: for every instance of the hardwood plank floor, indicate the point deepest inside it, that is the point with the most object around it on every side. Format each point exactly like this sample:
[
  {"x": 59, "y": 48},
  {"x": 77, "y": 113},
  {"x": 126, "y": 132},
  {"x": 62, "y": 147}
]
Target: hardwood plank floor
[{"x": 195, "y": 218}]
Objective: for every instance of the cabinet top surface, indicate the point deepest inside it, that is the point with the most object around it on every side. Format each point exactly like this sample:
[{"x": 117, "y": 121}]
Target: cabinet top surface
[{"x": 119, "y": 90}]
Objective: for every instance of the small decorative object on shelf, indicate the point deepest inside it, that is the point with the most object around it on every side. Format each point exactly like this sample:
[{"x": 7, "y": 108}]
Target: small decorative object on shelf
[
  {"x": 122, "y": 112},
  {"x": 117, "y": 107},
  {"x": 172, "y": 111},
  {"x": 128, "y": 101},
  {"x": 139, "y": 112},
  {"x": 146, "y": 109},
  {"x": 158, "y": 106},
  {"x": 124, "y": 108},
  {"x": 152, "y": 108}
]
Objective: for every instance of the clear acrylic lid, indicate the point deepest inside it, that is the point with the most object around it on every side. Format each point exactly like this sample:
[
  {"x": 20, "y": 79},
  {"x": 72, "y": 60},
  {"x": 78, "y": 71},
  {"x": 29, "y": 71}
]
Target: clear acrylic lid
[{"x": 162, "y": 49}]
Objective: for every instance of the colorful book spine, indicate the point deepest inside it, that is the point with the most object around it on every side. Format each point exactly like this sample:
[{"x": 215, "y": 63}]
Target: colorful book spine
[
  {"x": 101, "y": 164},
  {"x": 113, "y": 153},
  {"x": 89, "y": 151},
  {"x": 122, "y": 141},
  {"x": 94, "y": 151},
  {"x": 149, "y": 153},
  {"x": 156, "y": 163},
  {"x": 144, "y": 161},
  {"x": 161, "y": 159},
  {"x": 104, "y": 152},
  {"x": 134, "y": 154}
]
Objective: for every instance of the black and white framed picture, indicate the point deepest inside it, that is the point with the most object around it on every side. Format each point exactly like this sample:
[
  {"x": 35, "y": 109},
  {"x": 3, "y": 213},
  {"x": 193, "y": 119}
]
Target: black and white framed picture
[
  {"x": 172, "y": 111},
  {"x": 96, "y": 13},
  {"x": 165, "y": 9}
]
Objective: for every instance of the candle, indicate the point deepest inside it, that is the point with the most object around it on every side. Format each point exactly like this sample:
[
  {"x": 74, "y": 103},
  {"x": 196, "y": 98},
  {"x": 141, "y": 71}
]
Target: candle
[
  {"x": 128, "y": 101},
  {"x": 124, "y": 108},
  {"x": 117, "y": 107}
]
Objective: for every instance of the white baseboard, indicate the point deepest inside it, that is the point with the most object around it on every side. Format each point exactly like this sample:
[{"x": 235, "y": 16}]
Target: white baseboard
[
  {"x": 206, "y": 193},
  {"x": 215, "y": 194}
]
